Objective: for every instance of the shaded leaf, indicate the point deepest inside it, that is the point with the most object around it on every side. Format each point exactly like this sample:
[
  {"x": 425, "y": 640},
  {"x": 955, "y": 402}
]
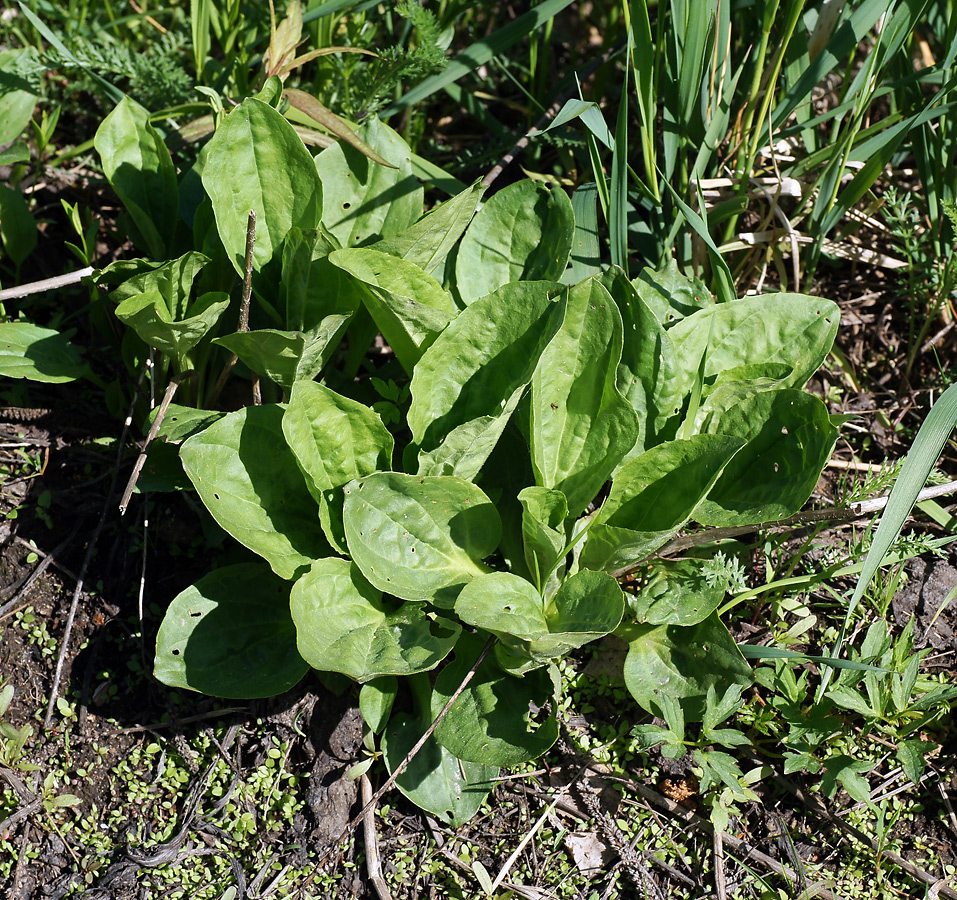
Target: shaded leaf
[{"x": 231, "y": 635}]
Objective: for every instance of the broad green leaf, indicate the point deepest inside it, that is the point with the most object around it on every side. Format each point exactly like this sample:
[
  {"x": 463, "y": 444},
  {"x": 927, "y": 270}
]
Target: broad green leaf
[
  {"x": 652, "y": 496},
  {"x": 505, "y": 605},
  {"x": 492, "y": 720},
  {"x": 587, "y": 606},
  {"x": 467, "y": 447},
  {"x": 428, "y": 242},
  {"x": 585, "y": 257},
  {"x": 18, "y": 228},
  {"x": 682, "y": 662},
  {"x": 789, "y": 441},
  {"x": 313, "y": 290},
  {"x": 523, "y": 233},
  {"x": 410, "y": 307},
  {"x": 18, "y": 92},
  {"x": 180, "y": 422},
  {"x": 173, "y": 280},
  {"x": 39, "y": 354},
  {"x": 451, "y": 789},
  {"x": 676, "y": 592},
  {"x": 139, "y": 168},
  {"x": 17, "y": 152},
  {"x": 149, "y": 316},
  {"x": 344, "y": 625},
  {"x": 543, "y": 529},
  {"x": 375, "y": 701},
  {"x": 646, "y": 373},
  {"x": 334, "y": 439},
  {"x": 792, "y": 329},
  {"x": 487, "y": 352},
  {"x": 256, "y": 161},
  {"x": 419, "y": 537},
  {"x": 231, "y": 635},
  {"x": 287, "y": 357},
  {"x": 670, "y": 294},
  {"x": 737, "y": 384},
  {"x": 363, "y": 201},
  {"x": 247, "y": 477},
  {"x": 581, "y": 426}
]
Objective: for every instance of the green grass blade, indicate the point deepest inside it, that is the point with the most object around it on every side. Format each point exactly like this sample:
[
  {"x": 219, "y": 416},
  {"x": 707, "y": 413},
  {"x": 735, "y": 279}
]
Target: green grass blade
[
  {"x": 478, "y": 54},
  {"x": 586, "y": 255},
  {"x": 921, "y": 458},
  {"x": 724, "y": 282},
  {"x": 199, "y": 23},
  {"x": 750, "y": 651},
  {"x": 618, "y": 206}
]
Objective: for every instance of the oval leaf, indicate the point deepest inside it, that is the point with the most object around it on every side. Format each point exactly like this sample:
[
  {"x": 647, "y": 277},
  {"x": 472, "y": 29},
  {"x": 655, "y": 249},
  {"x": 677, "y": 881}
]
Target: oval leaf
[
  {"x": 231, "y": 635},
  {"x": 335, "y": 439},
  {"x": 417, "y": 537},
  {"x": 581, "y": 426},
  {"x": 789, "y": 438},
  {"x": 139, "y": 168},
  {"x": 684, "y": 662},
  {"x": 39, "y": 354},
  {"x": 247, "y": 477},
  {"x": 523, "y": 233},
  {"x": 652, "y": 496},
  {"x": 410, "y": 307},
  {"x": 792, "y": 329},
  {"x": 492, "y": 720},
  {"x": 344, "y": 626},
  {"x": 256, "y": 161},
  {"x": 487, "y": 353},
  {"x": 451, "y": 789},
  {"x": 362, "y": 200}
]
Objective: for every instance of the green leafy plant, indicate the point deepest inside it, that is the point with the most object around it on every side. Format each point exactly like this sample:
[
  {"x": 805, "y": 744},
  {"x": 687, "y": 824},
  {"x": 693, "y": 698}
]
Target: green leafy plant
[{"x": 557, "y": 435}]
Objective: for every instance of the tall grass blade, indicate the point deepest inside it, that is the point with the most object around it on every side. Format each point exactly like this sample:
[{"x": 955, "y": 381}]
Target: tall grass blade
[
  {"x": 921, "y": 458},
  {"x": 723, "y": 280},
  {"x": 586, "y": 254},
  {"x": 618, "y": 197},
  {"x": 199, "y": 23}
]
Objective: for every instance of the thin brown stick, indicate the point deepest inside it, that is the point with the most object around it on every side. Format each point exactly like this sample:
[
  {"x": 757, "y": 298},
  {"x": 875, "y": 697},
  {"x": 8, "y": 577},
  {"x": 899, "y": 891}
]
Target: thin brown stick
[
  {"x": 243, "y": 313},
  {"x": 154, "y": 430},
  {"x": 833, "y": 514},
  {"x": 373, "y": 862},
  {"x": 419, "y": 744}
]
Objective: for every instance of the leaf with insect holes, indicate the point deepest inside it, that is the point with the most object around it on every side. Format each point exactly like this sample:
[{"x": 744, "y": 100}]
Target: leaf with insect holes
[
  {"x": 684, "y": 662},
  {"x": 486, "y": 354},
  {"x": 362, "y": 200},
  {"x": 345, "y": 625},
  {"x": 247, "y": 477},
  {"x": 652, "y": 496},
  {"x": 231, "y": 635},
  {"x": 789, "y": 438},
  {"x": 581, "y": 427},
  {"x": 419, "y": 537}
]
